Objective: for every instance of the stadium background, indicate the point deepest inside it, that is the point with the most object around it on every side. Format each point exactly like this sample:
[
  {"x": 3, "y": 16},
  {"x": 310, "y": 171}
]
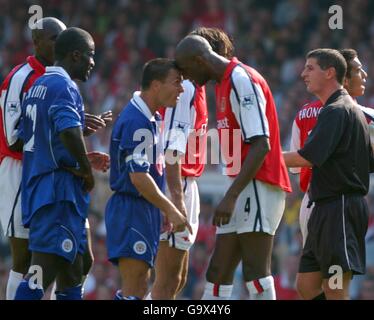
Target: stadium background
[{"x": 272, "y": 36}]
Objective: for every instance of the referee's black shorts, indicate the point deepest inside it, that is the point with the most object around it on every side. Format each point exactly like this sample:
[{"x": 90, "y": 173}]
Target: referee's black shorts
[{"x": 336, "y": 237}]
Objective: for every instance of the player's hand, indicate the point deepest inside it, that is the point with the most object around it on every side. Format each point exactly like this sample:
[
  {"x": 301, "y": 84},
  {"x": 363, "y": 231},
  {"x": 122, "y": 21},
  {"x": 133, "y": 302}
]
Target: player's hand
[
  {"x": 166, "y": 225},
  {"x": 224, "y": 210},
  {"x": 181, "y": 206},
  {"x": 88, "y": 183},
  {"x": 99, "y": 161},
  {"x": 88, "y": 179},
  {"x": 107, "y": 116},
  {"x": 178, "y": 221},
  {"x": 92, "y": 123}
]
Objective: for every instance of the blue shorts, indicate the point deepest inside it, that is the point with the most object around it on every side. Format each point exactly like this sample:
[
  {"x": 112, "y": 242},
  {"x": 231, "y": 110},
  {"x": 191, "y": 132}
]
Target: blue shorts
[
  {"x": 58, "y": 229},
  {"x": 133, "y": 229}
]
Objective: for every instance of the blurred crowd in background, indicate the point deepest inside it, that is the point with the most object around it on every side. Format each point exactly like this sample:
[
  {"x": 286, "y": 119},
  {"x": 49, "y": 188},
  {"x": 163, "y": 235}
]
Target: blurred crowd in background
[{"x": 271, "y": 36}]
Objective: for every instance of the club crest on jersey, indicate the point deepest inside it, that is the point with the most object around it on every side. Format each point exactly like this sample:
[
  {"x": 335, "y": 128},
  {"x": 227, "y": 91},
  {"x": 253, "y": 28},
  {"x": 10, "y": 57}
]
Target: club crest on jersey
[
  {"x": 12, "y": 108},
  {"x": 248, "y": 101},
  {"x": 140, "y": 247},
  {"x": 180, "y": 125},
  {"x": 67, "y": 245},
  {"x": 222, "y": 106}
]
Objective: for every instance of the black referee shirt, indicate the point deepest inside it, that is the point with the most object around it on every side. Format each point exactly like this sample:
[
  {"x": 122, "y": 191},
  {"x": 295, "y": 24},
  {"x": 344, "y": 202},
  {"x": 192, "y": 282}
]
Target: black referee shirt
[{"x": 339, "y": 149}]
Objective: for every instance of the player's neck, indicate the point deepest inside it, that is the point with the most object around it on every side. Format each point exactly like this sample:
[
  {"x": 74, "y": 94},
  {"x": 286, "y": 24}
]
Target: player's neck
[
  {"x": 65, "y": 67},
  {"x": 327, "y": 91},
  {"x": 149, "y": 101},
  {"x": 43, "y": 61},
  {"x": 219, "y": 65}
]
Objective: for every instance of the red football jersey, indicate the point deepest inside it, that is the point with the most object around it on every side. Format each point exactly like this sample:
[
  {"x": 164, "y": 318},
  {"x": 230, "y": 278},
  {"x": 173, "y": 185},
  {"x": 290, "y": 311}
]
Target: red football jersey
[
  {"x": 245, "y": 110},
  {"x": 186, "y": 128},
  {"x": 304, "y": 122},
  {"x": 12, "y": 91}
]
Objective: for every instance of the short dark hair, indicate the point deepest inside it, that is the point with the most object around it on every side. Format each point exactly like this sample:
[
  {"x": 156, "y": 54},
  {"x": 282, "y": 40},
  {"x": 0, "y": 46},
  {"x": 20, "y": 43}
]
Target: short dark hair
[
  {"x": 220, "y": 42},
  {"x": 349, "y": 55},
  {"x": 70, "y": 40},
  {"x": 330, "y": 58},
  {"x": 156, "y": 69}
]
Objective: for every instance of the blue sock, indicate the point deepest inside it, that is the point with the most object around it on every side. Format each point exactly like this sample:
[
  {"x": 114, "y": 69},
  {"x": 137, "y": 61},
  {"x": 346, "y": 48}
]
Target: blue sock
[
  {"x": 119, "y": 296},
  {"x": 24, "y": 292},
  {"x": 74, "y": 293}
]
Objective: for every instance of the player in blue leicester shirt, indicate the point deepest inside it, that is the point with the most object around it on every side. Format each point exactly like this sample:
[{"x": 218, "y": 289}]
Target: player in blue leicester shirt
[
  {"x": 56, "y": 175},
  {"x": 133, "y": 217}
]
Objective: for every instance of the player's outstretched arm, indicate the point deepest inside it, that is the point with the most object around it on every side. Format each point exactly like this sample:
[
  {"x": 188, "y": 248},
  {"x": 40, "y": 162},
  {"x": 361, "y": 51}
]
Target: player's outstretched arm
[
  {"x": 72, "y": 139},
  {"x": 174, "y": 180},
  {"x": 294, "y": 160},
  {"x": 144, "y": 183}
]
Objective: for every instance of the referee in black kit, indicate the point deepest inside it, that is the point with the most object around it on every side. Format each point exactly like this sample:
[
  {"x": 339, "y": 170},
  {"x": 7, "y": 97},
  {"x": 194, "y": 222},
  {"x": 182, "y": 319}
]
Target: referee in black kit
[{"x": 340, "y": 153}]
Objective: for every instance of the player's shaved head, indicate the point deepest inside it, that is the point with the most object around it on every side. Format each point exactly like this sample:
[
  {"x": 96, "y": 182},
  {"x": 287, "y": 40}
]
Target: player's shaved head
[
  {"x": 74, "y": 51},
  {"x": 192, "y": 46},
  {"x": 198, "y": 62},
  {"x": 221, "y": 43},
  {"x": 44, "y": 34},
  {"x": 47, "y": 25},
  {"x": 70, "y": 40}
]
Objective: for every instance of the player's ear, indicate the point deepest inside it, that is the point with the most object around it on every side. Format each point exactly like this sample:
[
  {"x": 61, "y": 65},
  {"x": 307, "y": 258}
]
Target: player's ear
[
  {"x": 76, "y": 54},
  {"x": 330, "y": 73},
  {"x": 346, "y": 82},
  {"x": 155, "y": 85}
]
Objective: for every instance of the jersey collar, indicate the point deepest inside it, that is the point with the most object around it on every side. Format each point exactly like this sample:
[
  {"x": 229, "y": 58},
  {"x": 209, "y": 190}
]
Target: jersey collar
[
  {"x": 335, "y": 96},
  {"x": 142, "y": 106},
  {"x": 35, "y": 64},
  {"x": 233, "y": 63},
  {"x": 59, "y": 70}
]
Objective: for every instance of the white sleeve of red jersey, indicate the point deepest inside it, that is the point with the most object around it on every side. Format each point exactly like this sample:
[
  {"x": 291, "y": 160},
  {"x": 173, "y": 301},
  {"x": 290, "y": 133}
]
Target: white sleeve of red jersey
[
  {"x": 180, "y": 120},
  {"x": 10, "y": 102},
  {"x": 295, "y": 143},
  {"x": 249, "y": 105}
]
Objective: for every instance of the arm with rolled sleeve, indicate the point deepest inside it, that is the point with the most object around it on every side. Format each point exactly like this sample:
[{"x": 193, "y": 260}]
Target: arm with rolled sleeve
[
  {"x": 249, "y": 106},
  {"x": 178, "y": 121},
  {"x": 295, "y": 143}
]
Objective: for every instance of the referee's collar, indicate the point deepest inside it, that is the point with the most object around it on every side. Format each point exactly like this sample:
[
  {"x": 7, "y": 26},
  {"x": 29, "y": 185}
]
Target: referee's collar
[
  {"x": 142, "y": 106},
  {"x": 335, "y": 96},
  {"x": 59, "y": 70}
]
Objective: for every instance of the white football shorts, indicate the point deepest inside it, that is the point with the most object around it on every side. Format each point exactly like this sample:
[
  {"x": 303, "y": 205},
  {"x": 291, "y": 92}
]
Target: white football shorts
[
  {"x": 259, "y": 208},
  {"x": 184, "y": 240},
  {"x": 10, "y": 198}
]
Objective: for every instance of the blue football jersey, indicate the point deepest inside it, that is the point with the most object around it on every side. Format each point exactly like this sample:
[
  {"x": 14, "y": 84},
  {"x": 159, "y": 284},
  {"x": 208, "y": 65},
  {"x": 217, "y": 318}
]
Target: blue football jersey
[
  {"x": 136, "y": 146},
  {"x": 51, "y": 105}
]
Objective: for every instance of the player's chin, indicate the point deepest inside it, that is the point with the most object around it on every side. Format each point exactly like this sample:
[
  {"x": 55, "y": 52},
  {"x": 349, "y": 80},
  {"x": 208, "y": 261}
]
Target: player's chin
[
  {"x": 173, "y": 102},
  {"x": 84, "y": 78},
  {"x": 309, "y": 88}
]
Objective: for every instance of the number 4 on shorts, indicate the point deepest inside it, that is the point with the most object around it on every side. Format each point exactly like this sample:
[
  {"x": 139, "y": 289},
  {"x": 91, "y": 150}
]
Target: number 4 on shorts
[{"x": 247, "y": 207}]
